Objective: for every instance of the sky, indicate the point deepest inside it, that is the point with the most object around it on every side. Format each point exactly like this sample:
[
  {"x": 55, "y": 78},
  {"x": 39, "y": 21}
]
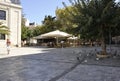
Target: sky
[{"x": 36, "y": 10}]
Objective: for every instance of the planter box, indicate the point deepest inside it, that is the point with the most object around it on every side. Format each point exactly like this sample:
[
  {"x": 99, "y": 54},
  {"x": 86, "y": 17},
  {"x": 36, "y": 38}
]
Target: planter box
[{"x": 102, "y": 55}]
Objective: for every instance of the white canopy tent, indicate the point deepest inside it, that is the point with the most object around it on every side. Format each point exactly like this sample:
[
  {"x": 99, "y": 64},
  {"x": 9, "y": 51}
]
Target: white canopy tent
[
  {"x": 56, "y": 34},
  {"x": 39, "y": 37},
  {"x": 74, "y": 39}
]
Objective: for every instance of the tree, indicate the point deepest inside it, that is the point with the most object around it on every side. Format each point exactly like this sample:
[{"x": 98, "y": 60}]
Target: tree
[
  {"x": 96, "y": 17},
  {"x": 4, "y": 29},
  {"x": 65, "y": 19},
  {"x": 37, "y": 31},
  {"x": 24, "y": 33},
  {"x": 49, "y": 23},
  {"x": 24, "y": 29}
]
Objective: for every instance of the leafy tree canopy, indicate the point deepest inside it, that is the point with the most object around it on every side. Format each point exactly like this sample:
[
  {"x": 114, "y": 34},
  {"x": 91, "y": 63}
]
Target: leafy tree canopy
[{"x": 95, "y": 18}]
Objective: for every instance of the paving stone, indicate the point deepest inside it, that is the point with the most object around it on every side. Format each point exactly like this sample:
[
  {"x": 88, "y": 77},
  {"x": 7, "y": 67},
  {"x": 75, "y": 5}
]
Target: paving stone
[{"x": 55, "y": 64}]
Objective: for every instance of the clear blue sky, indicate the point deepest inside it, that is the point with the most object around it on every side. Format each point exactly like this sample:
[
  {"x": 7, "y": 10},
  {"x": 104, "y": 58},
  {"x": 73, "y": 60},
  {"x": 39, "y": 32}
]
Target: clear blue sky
[{"x": 35, "y": 10}]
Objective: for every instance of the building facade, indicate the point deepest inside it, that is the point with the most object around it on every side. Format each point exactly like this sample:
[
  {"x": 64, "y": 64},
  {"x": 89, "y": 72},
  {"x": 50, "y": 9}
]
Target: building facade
[{"x": 10, "y": 16}]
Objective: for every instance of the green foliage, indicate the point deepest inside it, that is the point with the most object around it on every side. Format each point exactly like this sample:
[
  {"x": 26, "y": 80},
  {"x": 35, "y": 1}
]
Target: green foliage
[
  {"x": 24, "y": 33},
  {"x": 65, "y": 18},
  {"x": 37, "y": 31},
  {"x": 49, "y": 23},
  {"x": 95, "y": 17},
  {"x": 4, "y": 29}
]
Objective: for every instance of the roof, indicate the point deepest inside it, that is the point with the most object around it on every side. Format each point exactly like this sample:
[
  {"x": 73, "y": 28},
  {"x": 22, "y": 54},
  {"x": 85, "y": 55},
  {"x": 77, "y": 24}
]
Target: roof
[{"x": 15, "y": 2}]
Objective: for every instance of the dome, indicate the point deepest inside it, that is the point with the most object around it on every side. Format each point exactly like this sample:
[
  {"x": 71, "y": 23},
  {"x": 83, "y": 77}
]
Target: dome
[{"x": 15, "y": 1}]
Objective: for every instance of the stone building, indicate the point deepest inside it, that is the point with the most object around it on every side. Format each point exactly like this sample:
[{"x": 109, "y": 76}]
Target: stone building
[{"x": 10, "y": 15}]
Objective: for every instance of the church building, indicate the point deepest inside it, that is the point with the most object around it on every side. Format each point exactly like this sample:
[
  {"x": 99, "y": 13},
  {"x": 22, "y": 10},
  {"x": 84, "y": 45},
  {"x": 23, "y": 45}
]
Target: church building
[{"x": 10, "y": 16}]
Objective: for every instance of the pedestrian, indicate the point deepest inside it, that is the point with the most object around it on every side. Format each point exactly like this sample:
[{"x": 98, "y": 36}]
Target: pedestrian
[
  {"x": 62, "y": 44},
  {"x": 8, "y": 46}
]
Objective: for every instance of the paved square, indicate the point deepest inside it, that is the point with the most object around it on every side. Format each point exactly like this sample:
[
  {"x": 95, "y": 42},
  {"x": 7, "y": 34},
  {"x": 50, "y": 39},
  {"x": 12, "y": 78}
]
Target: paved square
[{"x": 53, "y": 64}]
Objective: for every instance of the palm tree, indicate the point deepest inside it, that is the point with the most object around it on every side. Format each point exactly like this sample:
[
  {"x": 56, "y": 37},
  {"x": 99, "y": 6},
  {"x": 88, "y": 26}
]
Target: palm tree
[
  {"x": 4, "y": 29},
  {"x": 96, "y": 18}
]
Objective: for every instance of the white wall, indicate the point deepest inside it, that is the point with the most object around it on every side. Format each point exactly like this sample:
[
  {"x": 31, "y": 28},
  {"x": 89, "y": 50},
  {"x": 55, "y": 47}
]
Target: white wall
[{"x": 13, "y": 21}]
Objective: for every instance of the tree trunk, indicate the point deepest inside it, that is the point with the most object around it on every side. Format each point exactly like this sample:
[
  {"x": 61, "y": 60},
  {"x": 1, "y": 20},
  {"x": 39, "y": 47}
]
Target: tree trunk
[
  {"x": 103, "y": 44},
  {"x": 103, "y": 53},
  {"x": 103, "y": 47}
]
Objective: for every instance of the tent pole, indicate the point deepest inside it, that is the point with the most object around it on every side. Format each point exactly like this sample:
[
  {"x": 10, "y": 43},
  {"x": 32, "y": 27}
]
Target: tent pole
[{"x": 57, "y": 40}]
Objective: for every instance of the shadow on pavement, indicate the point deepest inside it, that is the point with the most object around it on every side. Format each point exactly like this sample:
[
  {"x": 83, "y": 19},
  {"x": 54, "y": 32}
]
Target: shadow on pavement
[{"x": 49, "y": 65}]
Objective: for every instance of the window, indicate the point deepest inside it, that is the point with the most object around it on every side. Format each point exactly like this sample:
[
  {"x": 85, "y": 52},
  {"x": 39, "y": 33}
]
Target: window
[
  {"x": 2, "y": 15},
  {"x": 2, "y": 36}
]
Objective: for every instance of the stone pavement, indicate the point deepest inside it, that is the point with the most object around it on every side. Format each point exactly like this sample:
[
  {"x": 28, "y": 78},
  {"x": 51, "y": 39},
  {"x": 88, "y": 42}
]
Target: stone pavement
[{"x": 54, "y": 64}]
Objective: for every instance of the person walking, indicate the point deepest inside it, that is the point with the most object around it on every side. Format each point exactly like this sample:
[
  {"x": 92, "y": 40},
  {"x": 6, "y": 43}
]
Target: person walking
[{"x": 8, "y": 46}]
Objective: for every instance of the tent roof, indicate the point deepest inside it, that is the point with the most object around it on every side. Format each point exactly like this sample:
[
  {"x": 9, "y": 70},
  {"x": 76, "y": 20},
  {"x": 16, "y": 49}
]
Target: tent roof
[{"x": 56, "y": 33}]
